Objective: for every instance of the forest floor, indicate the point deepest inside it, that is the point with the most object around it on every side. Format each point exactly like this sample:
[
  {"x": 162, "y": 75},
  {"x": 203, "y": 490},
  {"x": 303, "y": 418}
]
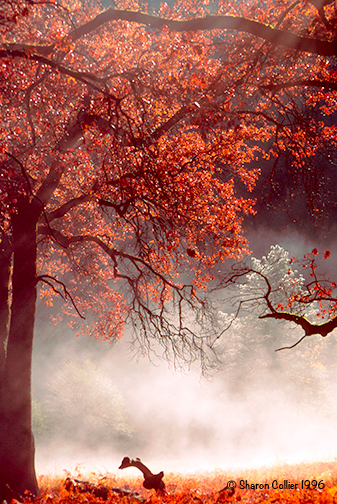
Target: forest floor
[{"x": 291, "y": 484}]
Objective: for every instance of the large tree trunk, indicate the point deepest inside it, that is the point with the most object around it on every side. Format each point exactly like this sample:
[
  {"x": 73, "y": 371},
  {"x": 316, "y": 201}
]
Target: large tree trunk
[{"x": 17, "y": 472}]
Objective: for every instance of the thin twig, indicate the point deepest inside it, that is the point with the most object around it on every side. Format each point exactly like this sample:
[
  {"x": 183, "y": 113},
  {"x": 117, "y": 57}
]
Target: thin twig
[{"x": 43, "y": 278}]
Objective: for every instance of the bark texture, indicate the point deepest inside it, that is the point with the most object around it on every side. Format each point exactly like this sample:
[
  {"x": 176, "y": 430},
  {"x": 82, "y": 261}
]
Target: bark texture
[{"x": 17, "y": 472}]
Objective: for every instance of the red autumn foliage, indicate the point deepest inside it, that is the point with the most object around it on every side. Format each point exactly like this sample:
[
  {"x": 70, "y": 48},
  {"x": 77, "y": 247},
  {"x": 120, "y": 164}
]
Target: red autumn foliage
[{"x": 319, "y": 290}]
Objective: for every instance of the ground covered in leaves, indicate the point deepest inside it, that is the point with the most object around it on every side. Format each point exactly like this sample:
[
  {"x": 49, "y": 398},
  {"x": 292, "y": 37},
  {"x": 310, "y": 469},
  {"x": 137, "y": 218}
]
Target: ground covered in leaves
[{"x": 305, "y": 483}]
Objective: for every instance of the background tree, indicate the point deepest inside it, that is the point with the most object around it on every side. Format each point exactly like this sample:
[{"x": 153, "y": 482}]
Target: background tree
[
  {"x": 84, "y": 408},
  {"x": 124, "y": 136},
  {"x": 273, "y": 289}
]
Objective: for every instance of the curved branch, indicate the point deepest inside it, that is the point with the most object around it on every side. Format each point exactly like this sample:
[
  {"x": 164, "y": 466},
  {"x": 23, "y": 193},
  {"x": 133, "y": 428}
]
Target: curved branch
[
  {"x": 259, "y": 113},
  {"x": 68, "y": 141},
  {"x": 23, "y": 171},
  {"x": 291, "y": 346},
  {"x": 87, "y": 78},
  {"x": 323, "y": 329},
  {"x": 266, "y": 32},
  {"x": 273, "y": 35},
  {"x": 256, "y": 300},
  {"x": 178, "y": 341},
  {"x": 286, "y": 12},
  {"x": 66, "y": 241}
]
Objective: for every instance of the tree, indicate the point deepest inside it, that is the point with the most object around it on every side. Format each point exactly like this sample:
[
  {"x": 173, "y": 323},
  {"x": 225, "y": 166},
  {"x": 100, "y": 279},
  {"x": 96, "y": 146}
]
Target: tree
[
  {"x": 84, "y": 408},
  {"x": 273, "y": 289},
  {"x": 124, "y": 138},
  {"x": 106, "y": 178}
]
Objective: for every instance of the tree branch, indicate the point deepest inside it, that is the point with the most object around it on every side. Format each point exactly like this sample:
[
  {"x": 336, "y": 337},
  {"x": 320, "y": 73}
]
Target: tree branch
[
  {"x": 291, "y": 346},
  {"x": 309, "y": 328},
  {"x": 301, "y": 82},
  {"x": 85, "y": 77},
  {"x": 65, "y": 242},
  {"x": 259, "y": 296},
  {"x": 153, "y": 320},
  {"x": 45, "y": 279},
  {"x": 64, "y": 209},
  {"x": 273, "y": 35},
  {"x": 73, "y": 133}
]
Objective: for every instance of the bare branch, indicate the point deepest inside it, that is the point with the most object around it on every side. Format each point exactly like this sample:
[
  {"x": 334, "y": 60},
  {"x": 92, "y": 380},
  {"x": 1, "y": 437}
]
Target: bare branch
[
  {"x": 161, "y": 321},
  {"x": 46, "y": 278},
  {"x": 309, "y": 328},
  {"x": 113, "y": 253},
  {"x": 23, "y": 171},
  {"x": 291, "y": 346},
  {"x": 266, "y": 32}
]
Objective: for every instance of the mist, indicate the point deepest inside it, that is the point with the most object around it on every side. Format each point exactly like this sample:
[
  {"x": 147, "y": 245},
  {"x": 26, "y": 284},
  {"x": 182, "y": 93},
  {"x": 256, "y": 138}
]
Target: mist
[{"x": 260, "y": 409}]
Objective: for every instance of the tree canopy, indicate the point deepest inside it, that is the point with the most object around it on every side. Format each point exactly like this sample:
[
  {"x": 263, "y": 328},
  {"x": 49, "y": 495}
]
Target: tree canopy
[
  {"x": 147, "y": 133},
  {"x": 107, "y": 146}
]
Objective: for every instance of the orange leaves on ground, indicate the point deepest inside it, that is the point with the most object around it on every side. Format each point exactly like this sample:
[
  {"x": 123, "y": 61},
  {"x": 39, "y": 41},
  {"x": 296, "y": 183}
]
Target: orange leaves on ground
[{"x": 269, "y": 486}]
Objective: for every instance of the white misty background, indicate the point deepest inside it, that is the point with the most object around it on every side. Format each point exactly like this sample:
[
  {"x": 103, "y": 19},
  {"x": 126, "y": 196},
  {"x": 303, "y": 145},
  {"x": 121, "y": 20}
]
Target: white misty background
[{"x": 95, "y": 404}]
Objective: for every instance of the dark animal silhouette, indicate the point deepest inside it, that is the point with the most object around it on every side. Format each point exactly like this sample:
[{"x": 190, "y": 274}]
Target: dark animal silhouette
[{"x": 151, "y": 480}]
